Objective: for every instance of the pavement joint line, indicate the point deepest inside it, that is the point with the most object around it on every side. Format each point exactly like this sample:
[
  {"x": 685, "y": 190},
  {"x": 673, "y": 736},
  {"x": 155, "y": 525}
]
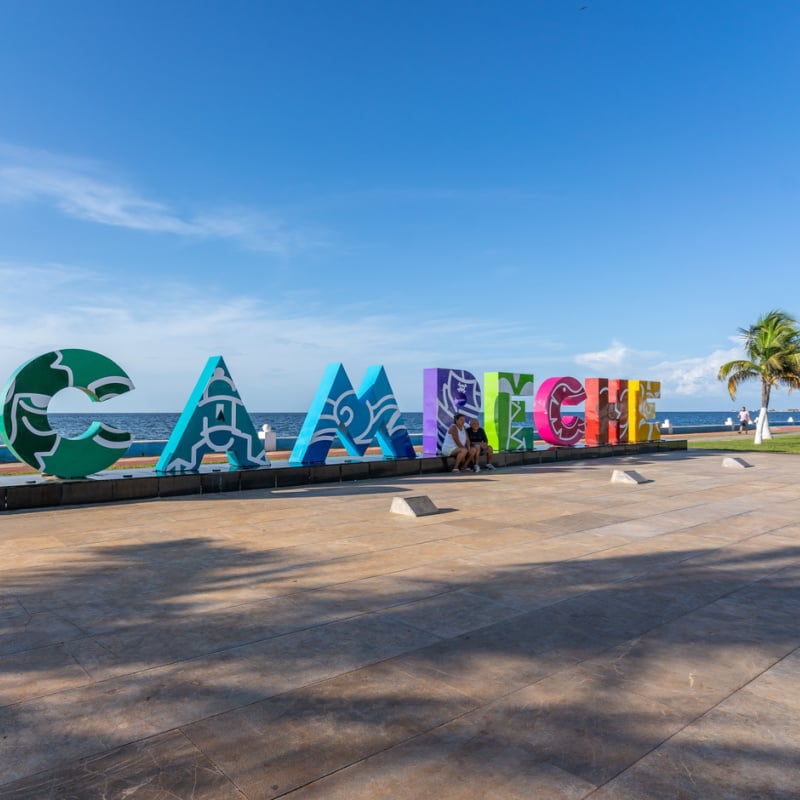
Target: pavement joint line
[{"x": 691, "y": 722}]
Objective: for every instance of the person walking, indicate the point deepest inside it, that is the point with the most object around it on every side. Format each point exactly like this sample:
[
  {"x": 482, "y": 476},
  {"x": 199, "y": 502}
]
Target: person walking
[{"x": 744, "y": 420}]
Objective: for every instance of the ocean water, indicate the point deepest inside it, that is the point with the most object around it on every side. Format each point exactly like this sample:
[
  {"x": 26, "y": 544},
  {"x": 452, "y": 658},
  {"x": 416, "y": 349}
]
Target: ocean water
[{"x": 159, "y": 426}]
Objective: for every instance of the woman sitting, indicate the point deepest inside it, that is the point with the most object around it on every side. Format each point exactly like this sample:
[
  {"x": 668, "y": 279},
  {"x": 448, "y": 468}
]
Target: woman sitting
[{"x": 456, "y": 444}]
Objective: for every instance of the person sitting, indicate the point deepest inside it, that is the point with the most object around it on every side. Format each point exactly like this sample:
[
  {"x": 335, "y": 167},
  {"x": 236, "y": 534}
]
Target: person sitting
[
  {"x": 456, "y": 444},
  {"x": 480, "y": 443}
]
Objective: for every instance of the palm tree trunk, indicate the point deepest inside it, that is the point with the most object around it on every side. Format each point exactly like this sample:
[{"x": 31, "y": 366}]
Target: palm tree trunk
[{"x": 762, "y": 423}]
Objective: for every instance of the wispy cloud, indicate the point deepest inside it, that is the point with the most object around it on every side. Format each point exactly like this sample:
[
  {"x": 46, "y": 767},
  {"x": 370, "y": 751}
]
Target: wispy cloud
[
  {"x": 277, "y": 352},
  {"x": 83, "y": 190},
  {"x": 162, "y": 335},
  {"x": 695, "y": 376},
  {"x": 618, "y": 356}
]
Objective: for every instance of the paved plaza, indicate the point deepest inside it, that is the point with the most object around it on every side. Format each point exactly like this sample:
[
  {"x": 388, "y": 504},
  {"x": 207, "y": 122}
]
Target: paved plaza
[{"x": 549, "y": 634}]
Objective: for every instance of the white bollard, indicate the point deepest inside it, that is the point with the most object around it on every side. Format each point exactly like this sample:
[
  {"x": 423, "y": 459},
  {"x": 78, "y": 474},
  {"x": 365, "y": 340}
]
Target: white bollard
[{"x": 269, "y": 437}]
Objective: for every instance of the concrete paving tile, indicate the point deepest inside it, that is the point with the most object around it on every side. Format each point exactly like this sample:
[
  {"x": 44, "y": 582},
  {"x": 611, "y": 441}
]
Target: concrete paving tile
[
  {"x": 10, "y": 606},
  {"x": 392, "y": 536},
  {"x": 18, "y": 633},
  {"x": 765, "y": 634},
  {"x": 609, "y": 613},
  {"x": 676, "y": 589},
  {"x": 41, "y": 559},
  {"x": 11, "y": 543},
  {"x": 790, "y": 531},
  {"x": 735, "y": 528},
  {"x": 537, "y": 513},
  {"x": 456, "y": 573},
  {"x": 646, "y": 526},
  {"x": 146, "y": 642},
  {"x": 280, "y": 744},
  {"x": 546, "y": 551},
  {"x": 368, "y": 594},
  {"x": 38, "y": 672},
  {"x": 618, "y": 564},
  {"x": 101, "y": 663},
  {"x": 319, "y": 653},
  {"x": 449, "y": 764},
  {"x": 778, "y": 594},
  {"x": 698, "y": 513},
  {"x": 37, "y": 735},
  {"x": 533, "y": 588},
  {"x": 581, "y": 521},
  {"x": 690, "y": 676},
  {"x": 757, "y": 556},
  {"x": 166, "y": 766},
  {"x": 686, "y": 543},
  {"x": 492, "y": 536},
  {"x": 77, "y": 722},
  {"x": 452, "y": 613},
  {"x": 780, "y": 682},
  {"x": 506, "y": 656},
  {"x": 744, "y": 749},
  {"x": 574, "y": 722}
]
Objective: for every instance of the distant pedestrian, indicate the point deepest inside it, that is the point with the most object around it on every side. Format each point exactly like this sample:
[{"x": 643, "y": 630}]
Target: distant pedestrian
[{"x": 744, "y": 420}]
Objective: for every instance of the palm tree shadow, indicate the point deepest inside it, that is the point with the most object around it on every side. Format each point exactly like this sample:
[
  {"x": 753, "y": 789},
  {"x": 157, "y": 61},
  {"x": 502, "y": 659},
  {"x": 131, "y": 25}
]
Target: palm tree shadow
[{"x": 122, "y": 641}]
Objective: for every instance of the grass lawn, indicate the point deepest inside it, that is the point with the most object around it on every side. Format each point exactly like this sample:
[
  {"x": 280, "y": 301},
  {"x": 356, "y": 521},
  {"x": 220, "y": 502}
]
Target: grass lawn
[{"x": 780, "y": 444}]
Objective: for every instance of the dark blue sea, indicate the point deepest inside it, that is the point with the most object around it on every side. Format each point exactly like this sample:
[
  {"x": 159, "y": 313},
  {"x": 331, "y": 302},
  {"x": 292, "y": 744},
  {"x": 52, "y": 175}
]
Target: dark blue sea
[{"x": 159, "y": 426}]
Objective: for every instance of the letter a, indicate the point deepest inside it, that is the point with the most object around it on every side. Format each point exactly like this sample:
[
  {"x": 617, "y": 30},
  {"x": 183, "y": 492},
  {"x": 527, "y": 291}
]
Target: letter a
[{"x": 213, "y": 421}]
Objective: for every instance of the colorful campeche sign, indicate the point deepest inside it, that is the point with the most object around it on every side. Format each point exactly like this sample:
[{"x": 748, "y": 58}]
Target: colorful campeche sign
[{"x": 215, "y": 419}]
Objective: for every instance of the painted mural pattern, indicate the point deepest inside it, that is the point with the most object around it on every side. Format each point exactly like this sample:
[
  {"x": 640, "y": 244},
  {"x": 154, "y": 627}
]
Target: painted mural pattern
[
  {"x": 596, "y": 411},
  {"x": 617, "y": 411},
  {"x": 504, "y": 421},
  {"x": 357, "y": 418},
  {"x": 444, "y": 393},
  {"x": 642, "y": 412},
  {"x": 213, "y": 421},
  {"x": 551, "y": 425},
  {"x": 27, "y": 396}
]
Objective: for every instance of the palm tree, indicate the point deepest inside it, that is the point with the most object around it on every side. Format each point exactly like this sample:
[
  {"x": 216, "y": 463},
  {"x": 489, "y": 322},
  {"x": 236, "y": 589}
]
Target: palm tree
[{"x": 772, "y": 347}]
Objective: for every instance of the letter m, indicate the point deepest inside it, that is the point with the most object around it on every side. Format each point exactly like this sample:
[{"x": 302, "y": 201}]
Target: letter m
[{"x": 357, "y": 418}]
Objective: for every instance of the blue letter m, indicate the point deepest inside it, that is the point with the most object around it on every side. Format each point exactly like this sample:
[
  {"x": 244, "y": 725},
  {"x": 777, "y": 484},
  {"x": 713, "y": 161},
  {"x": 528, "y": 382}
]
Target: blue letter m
[{"x": 356, "y": 418}]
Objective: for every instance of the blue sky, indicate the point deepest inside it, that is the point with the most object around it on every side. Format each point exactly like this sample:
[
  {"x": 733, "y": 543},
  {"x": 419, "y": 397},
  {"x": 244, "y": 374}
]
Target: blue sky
[{"x": 590, "y": 188}]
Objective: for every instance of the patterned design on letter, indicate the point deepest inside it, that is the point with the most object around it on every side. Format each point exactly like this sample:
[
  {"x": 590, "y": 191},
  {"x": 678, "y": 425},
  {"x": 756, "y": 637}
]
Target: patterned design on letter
[
  {"x": 356, "y": 418},
  {"x": 617, "y": 411},
  {"x": 552, "y": 427},
  {"x": 596, "y": 411},
  {"x": 642, "y": 413},
  {"x": 504, "y": 420},
  {"x": 446, "y": 391},
  {"x": 27, "y": 396},
  {"x": 213, "y": 421}
]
